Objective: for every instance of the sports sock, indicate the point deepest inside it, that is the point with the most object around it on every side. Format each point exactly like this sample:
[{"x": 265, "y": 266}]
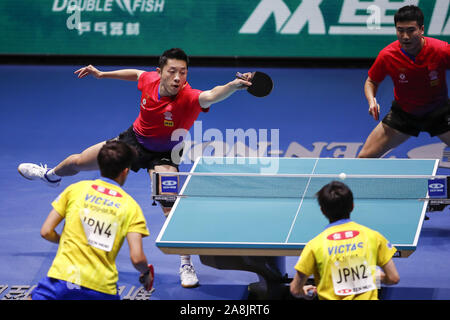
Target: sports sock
[
  {"x": 52, "y": 176},
  {"x": 185, "y": 259}
]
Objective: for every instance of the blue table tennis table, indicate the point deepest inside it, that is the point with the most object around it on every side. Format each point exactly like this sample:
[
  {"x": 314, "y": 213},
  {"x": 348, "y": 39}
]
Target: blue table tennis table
[{"x": 252, "y": 222}]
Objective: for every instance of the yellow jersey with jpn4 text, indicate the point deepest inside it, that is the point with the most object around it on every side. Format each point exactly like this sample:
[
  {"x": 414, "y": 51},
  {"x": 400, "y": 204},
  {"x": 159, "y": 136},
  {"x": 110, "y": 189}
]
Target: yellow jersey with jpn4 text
[
  {"x": 344, "y": 259},
  {"x": 98, "y": 215}
]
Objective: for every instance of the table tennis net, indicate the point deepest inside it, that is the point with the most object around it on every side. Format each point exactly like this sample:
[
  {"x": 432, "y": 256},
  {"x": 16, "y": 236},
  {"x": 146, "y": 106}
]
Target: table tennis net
[{"x": 299, "y": 186}]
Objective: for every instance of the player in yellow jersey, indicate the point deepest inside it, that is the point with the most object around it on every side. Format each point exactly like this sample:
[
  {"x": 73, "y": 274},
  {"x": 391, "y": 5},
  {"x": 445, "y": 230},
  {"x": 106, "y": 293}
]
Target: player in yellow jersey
[
  {"x": 346, "y": 257},
  {"x": 98, "y": 216}
]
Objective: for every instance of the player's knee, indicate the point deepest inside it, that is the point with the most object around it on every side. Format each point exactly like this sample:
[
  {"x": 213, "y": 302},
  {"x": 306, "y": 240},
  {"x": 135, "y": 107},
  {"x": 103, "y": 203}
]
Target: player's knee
[
  {"x": 166, "y": 211},
  {"x": 166, "y": 205},
  {"x": 363, "y": 155},
  {"x": 367, "y": 153}
]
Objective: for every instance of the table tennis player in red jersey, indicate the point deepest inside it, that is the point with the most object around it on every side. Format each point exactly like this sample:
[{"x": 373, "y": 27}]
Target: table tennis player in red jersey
[
  {"x": 167, "y": 103},
  {"x": 417, "y": 66}
]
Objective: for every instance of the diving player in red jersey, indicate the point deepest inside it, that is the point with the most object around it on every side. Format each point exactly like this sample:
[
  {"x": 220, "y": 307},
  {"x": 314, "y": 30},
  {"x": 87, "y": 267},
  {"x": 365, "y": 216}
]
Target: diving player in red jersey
[
  {"x": 417, "y": 66},
  {"x": 167, "y": 103}
]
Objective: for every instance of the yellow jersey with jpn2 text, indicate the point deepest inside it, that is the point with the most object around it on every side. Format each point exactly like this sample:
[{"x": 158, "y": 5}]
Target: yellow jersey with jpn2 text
[
  {"x": 98, "y": 215},
  {"x": 344, "y": 259}
]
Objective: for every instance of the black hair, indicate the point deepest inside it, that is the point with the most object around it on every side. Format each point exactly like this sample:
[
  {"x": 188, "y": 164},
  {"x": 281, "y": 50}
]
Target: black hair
[
  {"x": 114, "y": 157},
  {"x": 409, "y": 13},
  {"x": 174, "y": 53},
  {"x": 336, "y": 201}
]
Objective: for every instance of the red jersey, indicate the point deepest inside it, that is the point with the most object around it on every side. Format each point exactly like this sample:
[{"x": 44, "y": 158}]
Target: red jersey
[
  {"x": 159, "y": 117},
  {"x": 420, "y": 84}
]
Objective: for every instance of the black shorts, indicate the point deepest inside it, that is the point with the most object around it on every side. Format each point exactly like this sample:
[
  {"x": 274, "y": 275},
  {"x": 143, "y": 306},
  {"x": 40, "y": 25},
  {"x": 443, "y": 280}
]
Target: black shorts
[
  {"x": 435, "y": 123},
  {"x": 147, "y": 159}
]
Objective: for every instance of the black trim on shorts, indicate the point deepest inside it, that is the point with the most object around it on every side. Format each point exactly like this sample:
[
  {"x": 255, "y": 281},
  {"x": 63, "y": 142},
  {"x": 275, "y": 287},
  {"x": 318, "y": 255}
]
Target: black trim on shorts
[
  {"x": 435, "y": 123},
  {"x": 146, "y": 159}
]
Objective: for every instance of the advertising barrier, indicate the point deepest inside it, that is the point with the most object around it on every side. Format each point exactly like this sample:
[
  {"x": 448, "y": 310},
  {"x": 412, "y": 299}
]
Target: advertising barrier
[{"x": 209, "y": 28}]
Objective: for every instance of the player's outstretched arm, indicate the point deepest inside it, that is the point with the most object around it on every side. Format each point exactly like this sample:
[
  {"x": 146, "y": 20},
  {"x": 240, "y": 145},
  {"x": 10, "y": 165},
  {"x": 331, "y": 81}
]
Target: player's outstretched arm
[
  {"x": 123, "y": 74},
  {"x": 219, "y": 93}
]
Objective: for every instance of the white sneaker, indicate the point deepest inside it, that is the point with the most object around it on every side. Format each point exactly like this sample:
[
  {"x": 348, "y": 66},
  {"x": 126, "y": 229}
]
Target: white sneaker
[
  {"x": 32, "y": 171},
  {"x": 187, "y": 276}
]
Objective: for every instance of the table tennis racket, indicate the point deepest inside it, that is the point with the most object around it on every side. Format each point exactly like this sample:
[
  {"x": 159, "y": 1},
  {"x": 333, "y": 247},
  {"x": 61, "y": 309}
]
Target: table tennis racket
[
  {"x": 142, "y": 278},
  {"x": 261, "y": 86}
]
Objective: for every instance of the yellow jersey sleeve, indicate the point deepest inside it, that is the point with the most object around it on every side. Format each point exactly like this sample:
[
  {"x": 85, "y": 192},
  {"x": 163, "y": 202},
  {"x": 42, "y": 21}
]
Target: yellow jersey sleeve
[
  {"x": 60, "y": 204},
  {"x": 306, "y": 263},
  {"x": 138, "y": 223},
  {"x": 385, "y": 250}
]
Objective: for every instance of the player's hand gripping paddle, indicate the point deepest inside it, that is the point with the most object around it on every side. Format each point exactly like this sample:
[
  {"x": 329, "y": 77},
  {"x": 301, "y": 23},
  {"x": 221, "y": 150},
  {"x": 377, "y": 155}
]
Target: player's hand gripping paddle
[
  {"x": 376, "y": 111},
  {"x": 261, "y": 86},
  {"x": 144, "y": 276}
]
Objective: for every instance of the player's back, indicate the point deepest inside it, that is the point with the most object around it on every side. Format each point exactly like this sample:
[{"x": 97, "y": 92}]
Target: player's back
[
  {"x": 98, "y": 215},
  {"x": 347, "y": 255}
]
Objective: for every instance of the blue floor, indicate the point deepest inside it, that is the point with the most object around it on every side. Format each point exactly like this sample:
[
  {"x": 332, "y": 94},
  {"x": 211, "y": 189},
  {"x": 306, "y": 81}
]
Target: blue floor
[{"x": 47, "y": 114}]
